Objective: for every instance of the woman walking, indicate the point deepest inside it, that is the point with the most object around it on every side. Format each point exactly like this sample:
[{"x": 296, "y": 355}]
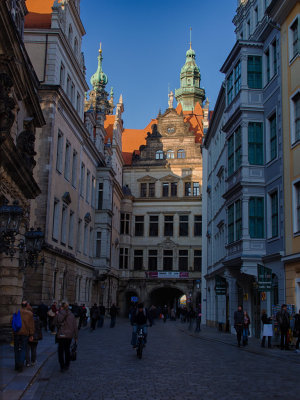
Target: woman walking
[
  {"x": 246, "y": 328},
  {"x": 66, "y": 331}
]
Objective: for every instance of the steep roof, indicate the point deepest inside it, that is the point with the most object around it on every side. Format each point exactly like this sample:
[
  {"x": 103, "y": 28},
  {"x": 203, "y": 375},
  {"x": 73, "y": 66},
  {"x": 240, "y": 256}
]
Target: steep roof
[{"x": 40, "y": 6}]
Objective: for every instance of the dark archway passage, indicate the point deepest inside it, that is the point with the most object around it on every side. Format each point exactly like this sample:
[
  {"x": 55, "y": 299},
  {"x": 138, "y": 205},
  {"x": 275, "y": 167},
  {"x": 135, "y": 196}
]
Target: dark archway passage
[{"x": 165, "y": 296}]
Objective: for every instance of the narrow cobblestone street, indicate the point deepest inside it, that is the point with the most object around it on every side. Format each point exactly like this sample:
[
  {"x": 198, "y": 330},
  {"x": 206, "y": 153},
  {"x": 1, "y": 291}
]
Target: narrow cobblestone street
[{"x": 175, "y": 365}]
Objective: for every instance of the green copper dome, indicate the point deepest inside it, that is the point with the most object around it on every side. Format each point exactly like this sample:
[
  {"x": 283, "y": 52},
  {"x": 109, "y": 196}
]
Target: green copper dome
[{"x": 99, "y": 78}]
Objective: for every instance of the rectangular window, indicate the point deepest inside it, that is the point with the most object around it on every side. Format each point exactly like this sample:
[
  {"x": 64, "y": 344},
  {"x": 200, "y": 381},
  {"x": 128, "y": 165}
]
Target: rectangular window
[
  {"x": 125, "y": 219},
  {"x": 153, "y": 225},
  {"x": 72, "y": 93},
  {"x": 82, "y": 179},
  {"x": 255, "y": 143},
  {"x": 183, "y": 225},
  {"x": 297, "y": 206},
  {"x": 187, "y": 189},
  {"x": 93, "y": 192},
  {"x": 197, "y": 225},
  {"x": 273, "y": 137},
  {"x": 91, "y": 243},
  {"x": 87, "y": 194},
  {"x": 100, "y": 196},
  {"x": 231, "y": 223},
  {"x": 254, "y": 72},
  {"x": 74, "y": 169},
  {"x": 256, "y": 217},
  {"x": 196, "y": 189},
  {"x": 98, "y": 244},
  {"x": 63, "y": 233},
  {"x": 138, "y": 260},
  {"x": 62, "y": 75},
  {"x": 267, "y": 57},
  {"x": 237, "y": 78},
  {"x": 255, "y": 16},
  {"x": 152, "y": 260},
  {"x": 79, "y": 236},
  {"x": 55, "y": 225},
  {"x": 71, "y": 230},
  {"x": 143, "y": 189},
  {"x": 238, "y": 220},
  {"x": 123, "y": 258},
  {"x": 295, "y": 38},
  {"x": 168, "y": 228},
  {"x": 230, "y": 88},
  {"x": 231, "y": 155},
  {"x": 67, "y": 160},
  {"x": 59, "y": 151},
  {"x": 237, "y": 148},
  {"x": 197, "y": 260},
  {"x": 295, "y": 118},
  {"x": 139, "y": 225},
  {"x": 165, "y": 191},
  {"x": 69, "y": 86},
  {"x": 85, "y": 239},
  {"x": 168, "y": 260},
  {"x": 173, "y": 189},
  {"x": 78, "y": 103},
  {"x": 183, "y": 260},
  {"x": 274, "y": 216},
  {"x": 152, "y": 189},
  {"x": 274, "y": 52}
]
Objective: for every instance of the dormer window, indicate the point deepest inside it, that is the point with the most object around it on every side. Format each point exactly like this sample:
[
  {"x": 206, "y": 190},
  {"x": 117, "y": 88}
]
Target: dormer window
[{"x": 159, "y": 155}]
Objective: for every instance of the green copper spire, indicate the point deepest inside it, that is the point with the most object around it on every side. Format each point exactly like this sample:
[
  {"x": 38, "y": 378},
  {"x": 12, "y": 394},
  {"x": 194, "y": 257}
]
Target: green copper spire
[
  {"x": 99, "y": 78},
  {"x": 190, "y": 92}
]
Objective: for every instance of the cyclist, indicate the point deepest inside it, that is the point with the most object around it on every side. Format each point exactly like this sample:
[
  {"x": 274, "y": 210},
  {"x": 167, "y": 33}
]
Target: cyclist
[{"x": 139, "y": 321}]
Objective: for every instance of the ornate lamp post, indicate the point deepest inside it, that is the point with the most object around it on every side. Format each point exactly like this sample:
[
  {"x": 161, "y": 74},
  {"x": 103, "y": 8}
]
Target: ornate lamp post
[
  {"x": 10, "y": 220},
  {"x": 34, "y": 240}
]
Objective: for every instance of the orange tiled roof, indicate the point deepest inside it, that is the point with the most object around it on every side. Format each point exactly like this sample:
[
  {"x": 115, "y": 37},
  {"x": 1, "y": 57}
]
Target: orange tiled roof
[
  {"x": 40, "y": 6},
  {"x": 36, "y": 20}
]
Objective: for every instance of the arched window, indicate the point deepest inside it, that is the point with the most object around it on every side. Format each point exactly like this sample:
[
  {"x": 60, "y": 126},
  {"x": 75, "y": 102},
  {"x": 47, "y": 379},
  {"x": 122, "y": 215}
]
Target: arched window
[
  {"x": 76, "y": 47},
  {"x": 181, "y": 153},
  {"x": 170, "y": 154},
  {"x": 70, "y": 34},
  {"x": 159, "y": 155}
]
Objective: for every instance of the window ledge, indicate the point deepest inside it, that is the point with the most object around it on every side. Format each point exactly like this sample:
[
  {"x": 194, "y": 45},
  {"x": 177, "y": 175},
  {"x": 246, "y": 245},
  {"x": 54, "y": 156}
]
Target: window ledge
[
  {"x": 296, "y": 234},
  {"x": 273, "y": 239},
  {"x": 294, "y": 58},
  {"x": 295, "y": 144}
]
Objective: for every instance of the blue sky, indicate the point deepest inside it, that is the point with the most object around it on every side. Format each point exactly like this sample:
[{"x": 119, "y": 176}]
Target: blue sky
[{"x": 144, "y": 44}]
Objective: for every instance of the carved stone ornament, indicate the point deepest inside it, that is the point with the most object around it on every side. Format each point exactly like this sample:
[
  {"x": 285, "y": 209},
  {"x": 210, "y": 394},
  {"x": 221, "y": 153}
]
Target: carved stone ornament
[
  {"x": 7, "y": 104},
  {"x": 25, "y": 145}
]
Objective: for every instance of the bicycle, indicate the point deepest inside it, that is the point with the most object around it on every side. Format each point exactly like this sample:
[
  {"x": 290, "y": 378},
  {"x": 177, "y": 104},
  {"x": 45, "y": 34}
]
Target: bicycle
[{"x": 140, "y": 343}]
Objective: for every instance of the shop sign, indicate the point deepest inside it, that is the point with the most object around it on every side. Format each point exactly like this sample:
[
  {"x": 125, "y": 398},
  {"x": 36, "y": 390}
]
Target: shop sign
[
  {"x": 167, "y": 274},
  {"x": 221, "y": 286},
  {"x": 264, "y": 278},
  {"x": 134, "y": 299}
]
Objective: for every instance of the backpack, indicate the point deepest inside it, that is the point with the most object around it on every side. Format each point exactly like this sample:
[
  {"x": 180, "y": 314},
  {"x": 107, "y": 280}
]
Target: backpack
[{"x": 16, "y": 322}]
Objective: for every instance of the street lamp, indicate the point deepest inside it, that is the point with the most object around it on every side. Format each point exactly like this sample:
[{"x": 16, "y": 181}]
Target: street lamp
[
  {"x": 10, "y": 220},
  {"x": 34, "y": 241}
]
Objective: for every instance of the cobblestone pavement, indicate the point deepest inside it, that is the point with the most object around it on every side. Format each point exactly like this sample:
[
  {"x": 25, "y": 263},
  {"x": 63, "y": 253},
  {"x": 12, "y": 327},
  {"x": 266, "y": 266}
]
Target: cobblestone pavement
[{"x": 174, "y": 366}]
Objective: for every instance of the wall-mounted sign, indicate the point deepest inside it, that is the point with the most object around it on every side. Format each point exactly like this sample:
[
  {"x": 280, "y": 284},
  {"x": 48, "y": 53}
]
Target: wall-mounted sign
[
  {"x": 167, "y": 274},
  {"x": 134, "y": 299},
  {"x": 264, "y": 278},
  {"x": 221, "y": 285}
]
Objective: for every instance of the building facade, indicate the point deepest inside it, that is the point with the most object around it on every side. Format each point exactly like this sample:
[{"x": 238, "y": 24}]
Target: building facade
[
  {"x": 20, "y": 116},
  {"x": 161, "y": 217},
  {"x": 252, "y": 127}
]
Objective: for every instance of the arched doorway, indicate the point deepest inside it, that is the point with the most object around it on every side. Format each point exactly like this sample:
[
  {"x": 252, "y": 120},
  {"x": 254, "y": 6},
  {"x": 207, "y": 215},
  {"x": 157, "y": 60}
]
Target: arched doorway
[{"x": 165, "y": 296}]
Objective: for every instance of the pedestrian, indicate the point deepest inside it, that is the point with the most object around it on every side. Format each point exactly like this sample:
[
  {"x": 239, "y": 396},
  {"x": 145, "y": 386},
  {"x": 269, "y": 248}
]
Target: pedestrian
[
  {"x": 51, "y": 314},
  {"x": 94, "y": 316},
  {"x": 42, "y": 314},
  {"x": 165, "y": 312},
  {"x": 66, "y": 331},
  {"x": 283, "y": 319},
  {"x": 101, "y": 316},
  {"x": 296, "y": 331},
  {"x": 113, "y": 315},
  {"x": 152, "y": 314},
  {"x": 22, "y": 336},
  {"x": 192, "y": 316},
  {"x": 267, "y": 329},
  {"x": 32, "y": 344},
  {"x": 198, "y": 319},
  {"x": 238, "y": 323},
  {"x": 82, "y": 316},
  {"x": 246, "y": 324}
]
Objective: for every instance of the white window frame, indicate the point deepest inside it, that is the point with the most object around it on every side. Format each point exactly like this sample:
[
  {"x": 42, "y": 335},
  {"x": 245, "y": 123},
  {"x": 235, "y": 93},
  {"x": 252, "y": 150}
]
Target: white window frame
[
  {"x": 63, "y": 231},
  {"x": 56, "y": 220},
  {"x": 292, "y": 118},
  {"x": 292, "y": 57},
  {"x": 296, "y": 228},
  {"x": 71, "y": 229},
  {"x": 269, "y": 214},
  {"x": 59, "y": 151},
  {"x": 268, "y": 135}
]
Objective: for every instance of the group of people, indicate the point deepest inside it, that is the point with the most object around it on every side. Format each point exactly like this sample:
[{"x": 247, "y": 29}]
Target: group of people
[{"x": 283, "y": 320}]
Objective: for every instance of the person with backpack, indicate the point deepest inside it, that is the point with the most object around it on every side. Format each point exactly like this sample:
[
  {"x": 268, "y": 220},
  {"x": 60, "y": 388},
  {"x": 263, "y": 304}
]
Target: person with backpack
[
  {"x": 32, "y": 344},
  {"x": 23, "y": 330},
  {"x": 283, "y": 320},
  {"x": 139, "y": 321}
]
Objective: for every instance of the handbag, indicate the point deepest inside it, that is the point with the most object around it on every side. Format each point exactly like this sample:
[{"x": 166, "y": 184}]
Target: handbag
[
  {"x": 51, "y": 313},
  {"x": 73, "y": 353}
]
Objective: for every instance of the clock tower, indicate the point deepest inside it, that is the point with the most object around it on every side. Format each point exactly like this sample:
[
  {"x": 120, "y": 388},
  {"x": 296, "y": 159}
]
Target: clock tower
[{"x": 190, "y": 92}]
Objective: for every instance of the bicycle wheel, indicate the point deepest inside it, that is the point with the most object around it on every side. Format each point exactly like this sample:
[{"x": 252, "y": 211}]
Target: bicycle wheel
[{"x": 139, "y": 350}]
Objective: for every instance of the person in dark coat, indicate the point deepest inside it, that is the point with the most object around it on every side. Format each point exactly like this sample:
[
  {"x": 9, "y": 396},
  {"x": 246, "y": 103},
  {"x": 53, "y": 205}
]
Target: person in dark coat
[
  {"x": 113, "y": 315},
  {"x": 238, "y": 324},
  {"x": 266, "y": 321},
  {"x": 297, "y": 329},
  {"x": 283, "y": 319},
  {"x": 94, "y": 316},
  {"x": 42, "y": 314},
  {"x": 101, "y": 316},
  {"x": 32, "y": 344},
  {"x": 139, "y": 321}
]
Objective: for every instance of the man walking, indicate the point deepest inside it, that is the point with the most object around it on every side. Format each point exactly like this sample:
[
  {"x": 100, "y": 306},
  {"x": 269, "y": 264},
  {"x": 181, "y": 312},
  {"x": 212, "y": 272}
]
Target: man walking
[
  {"x": 101, "y": 316},
  {"x": 113, "y": 315},
  {"x": 283, "y": 319},
  {"x": 94, "y": 316},
  {"x": 22, "y": 336},
  {"x": 238, "y": 324}
]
